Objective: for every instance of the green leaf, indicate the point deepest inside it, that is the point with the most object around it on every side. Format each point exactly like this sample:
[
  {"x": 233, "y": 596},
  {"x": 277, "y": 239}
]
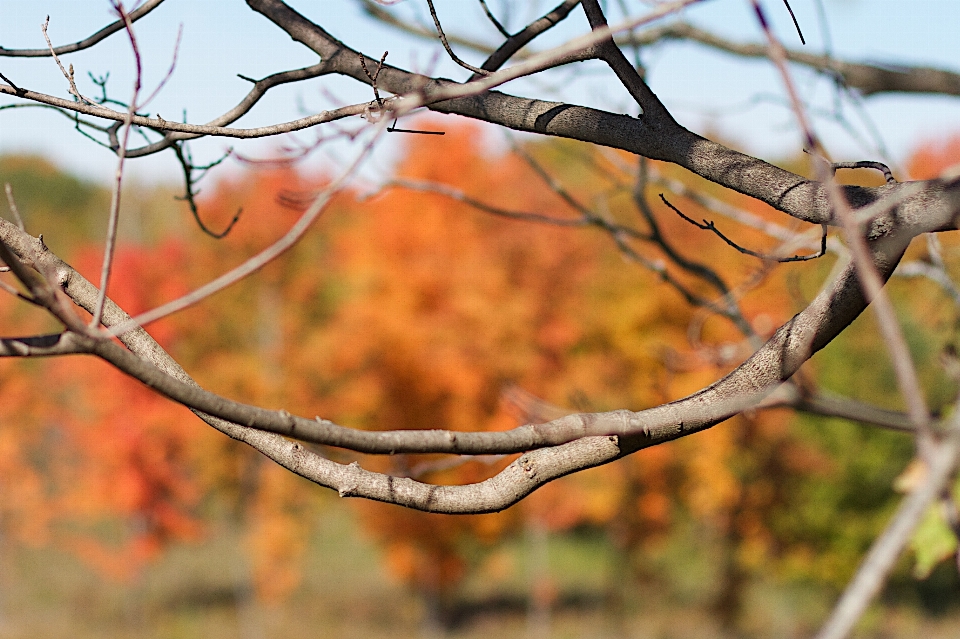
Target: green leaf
[{"x": 933, "y": 542}]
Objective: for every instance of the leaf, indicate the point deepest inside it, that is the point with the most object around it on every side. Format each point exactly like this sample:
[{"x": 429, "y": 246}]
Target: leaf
[{"x": 932, "y": 543}]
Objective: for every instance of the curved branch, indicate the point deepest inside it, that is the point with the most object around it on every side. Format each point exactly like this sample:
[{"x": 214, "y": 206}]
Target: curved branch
[
  {"x": 512, "y": 484},
  {"x": 795, "y": 342},
  {"x": 86, "y": 43},
  {"x": 522, "y": 38}
]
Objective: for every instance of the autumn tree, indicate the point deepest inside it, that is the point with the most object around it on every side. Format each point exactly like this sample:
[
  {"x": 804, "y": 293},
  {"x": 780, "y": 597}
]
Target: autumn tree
[{"x": 803, "y": 215}]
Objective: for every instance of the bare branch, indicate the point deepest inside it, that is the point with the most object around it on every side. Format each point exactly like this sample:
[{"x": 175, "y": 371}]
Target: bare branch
[
  {"x": 12, "y": 203},
  {"x": 710, "y": 226},
  {"x": 867, "y": 268},
  {"x": 114, "y": 218},
  {"x": 886, "y": 549},
  {"x": 446, "y": 45},
  {"x": 867, "y": 79},
  {"x": 74, "y": 91},
  {"x": 189, "y": 131},
  {"x": 86, "y": 43},
  {"x": 522, "y": 38}
]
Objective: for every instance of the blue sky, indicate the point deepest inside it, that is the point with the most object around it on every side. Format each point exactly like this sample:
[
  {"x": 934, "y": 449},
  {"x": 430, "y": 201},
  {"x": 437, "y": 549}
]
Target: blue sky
[{"x": 709, "y": 92}]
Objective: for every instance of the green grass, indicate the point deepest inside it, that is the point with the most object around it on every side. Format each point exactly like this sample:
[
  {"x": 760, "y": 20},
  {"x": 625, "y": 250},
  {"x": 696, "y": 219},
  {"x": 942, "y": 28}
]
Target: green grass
[{"x": 199, "y": 591}]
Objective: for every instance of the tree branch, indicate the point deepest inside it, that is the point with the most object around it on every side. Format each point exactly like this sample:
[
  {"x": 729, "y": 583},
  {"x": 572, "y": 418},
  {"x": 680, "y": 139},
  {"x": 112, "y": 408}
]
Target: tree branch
[{"x": 86, "y": 43}]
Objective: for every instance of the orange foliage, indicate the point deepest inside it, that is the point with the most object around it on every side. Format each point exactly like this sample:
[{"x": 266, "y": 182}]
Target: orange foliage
[
  {"x": 934, "y": 157},
  {"x": 411, "y": 311}
]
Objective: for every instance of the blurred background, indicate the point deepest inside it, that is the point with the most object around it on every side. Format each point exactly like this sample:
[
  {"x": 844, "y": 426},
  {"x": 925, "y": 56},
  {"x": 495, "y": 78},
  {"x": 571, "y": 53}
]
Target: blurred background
[{"x": 122, "y": 515}]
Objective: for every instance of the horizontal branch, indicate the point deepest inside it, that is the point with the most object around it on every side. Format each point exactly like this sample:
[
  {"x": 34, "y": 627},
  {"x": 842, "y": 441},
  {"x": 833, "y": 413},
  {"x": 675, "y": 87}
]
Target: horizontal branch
[
  {"x": 193, "y": 130},
  {"x": 868, "y": 79},
  {"x": 40, "y": 346}
]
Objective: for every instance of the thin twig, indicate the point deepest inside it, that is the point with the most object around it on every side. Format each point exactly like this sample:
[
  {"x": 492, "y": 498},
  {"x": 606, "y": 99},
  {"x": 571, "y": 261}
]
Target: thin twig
[
  {"x": 114, "y": 219},
  {"x": 866, "y": 270},
  {"x": 795, "y": 23},
  {"x": 17, "y": 89},
  {"x": 189, "y": 131},
  {"x": 74, "y": 91},
  {"x": 168, "y": 74},
  {"x": 710, "y": 226},
  {"x": 265, "y": 256},
  {"x": 493, "y": 19},
  {"x": 12, "y": 203},
  {"x": 883, "y": 554},
  {"x": 880, "y": 166},
  {"x": 373, "y": 77},
  {"x": 86, "y": 43},
  {"x": 189, "y": 196},
  {"x": 446, "y": 45}
]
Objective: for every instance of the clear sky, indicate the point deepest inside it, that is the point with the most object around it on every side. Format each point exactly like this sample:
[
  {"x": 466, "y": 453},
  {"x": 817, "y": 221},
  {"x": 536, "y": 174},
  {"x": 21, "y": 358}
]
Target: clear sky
[{"x": 709, "y": 92}]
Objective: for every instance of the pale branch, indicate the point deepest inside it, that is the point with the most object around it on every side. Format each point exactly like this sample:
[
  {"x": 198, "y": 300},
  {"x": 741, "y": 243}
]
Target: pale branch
[
  {"x": 12, "y": 204},
  {"x": 871, "y": 277},
  {"x": 517, "y": 480},
  {"x": 68, "y": 75},
  {"x": 836, "y": 306},
  {"x": 40, "y": 345},
  {"x": 935, "y": 273},
  {"x": 186, "y": 131},
  {"x": 512, "y": 484},
  {"x": 269, "y": 253},
  {"x": 113, "y": 217},
  {"x": 86, "y": 43},
  {"x": 521, "y": 477},
  {"x": 883, "y": 554}
]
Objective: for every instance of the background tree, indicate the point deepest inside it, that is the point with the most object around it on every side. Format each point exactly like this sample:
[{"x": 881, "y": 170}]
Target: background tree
[{"x": 876, "y": 223}]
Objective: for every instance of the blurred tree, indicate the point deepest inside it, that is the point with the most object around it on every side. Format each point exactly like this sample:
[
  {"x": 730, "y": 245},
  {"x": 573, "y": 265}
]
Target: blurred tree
[{"x": 382, "y": 345}]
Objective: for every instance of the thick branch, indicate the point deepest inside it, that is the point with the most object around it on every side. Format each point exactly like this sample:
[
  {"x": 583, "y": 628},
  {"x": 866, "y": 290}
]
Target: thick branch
[
  {"x": 512, "y": 484},
  {"x": 654, "y": 135}
]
